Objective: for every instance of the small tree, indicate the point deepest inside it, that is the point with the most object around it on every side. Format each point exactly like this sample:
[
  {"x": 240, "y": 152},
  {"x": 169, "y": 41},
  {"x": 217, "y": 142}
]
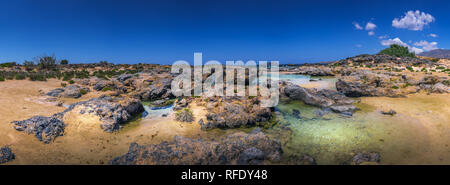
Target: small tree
[
  {"x": 103, "y": 63},
  {"x": 398, "y": 51},
  {"x": 46, "y": 62},
  {"x": 64, "y": 62},
  {"x": 29, "y": 65}
]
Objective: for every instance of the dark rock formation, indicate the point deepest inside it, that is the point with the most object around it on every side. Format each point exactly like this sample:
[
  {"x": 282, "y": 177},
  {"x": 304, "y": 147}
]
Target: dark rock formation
[
  {"x": 368, "y": 83},
  {"x": 102, "y": 84},
  {"x": 46, "y": 129},
  {"x": 233, "y": 115},
  {"x": 325, "y": 98},
  {"x": 440, "y": 88},
  {"x": 55, "y": 92},
  {"x": 181, "y": 103},
  {"x": 296, "y": 113},
  {"x": 72, "y": 91},
  {"x": 379, "y": 58},
  {"x": 364, "y": 158},
  {"x": 184, "y": 115},
  {"x": 251, "y": 156},
  {"x": 112, "y": 112},
  {"x": 123, "y": 77},
  {"x": 238, "y": 148},
  {"x": 301, "y": 160},
  {"x": 315, "y": 71},
  {"x": 390, "y": 112},
  {"x": 158, "y": 90},
  {"x": 6, "y": 155}
]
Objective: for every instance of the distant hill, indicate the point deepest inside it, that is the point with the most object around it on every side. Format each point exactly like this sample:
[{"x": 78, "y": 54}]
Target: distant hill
[{"x": 437, "y": 53}]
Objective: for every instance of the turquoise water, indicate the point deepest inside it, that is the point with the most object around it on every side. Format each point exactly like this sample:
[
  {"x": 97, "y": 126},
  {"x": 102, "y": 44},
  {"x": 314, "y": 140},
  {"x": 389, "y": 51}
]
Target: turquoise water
[
  {"x": 415, "y": 135},
  {"x": 153, "y": 112},
  {"x": 295, "y": 79}
]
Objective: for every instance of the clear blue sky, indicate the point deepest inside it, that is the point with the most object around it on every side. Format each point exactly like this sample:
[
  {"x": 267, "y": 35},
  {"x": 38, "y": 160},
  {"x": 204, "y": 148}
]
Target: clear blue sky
[{"x": 164, "y": 31}]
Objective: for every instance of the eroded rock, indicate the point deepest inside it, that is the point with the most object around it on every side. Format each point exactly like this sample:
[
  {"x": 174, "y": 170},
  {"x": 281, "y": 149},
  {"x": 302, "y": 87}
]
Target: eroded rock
[
  {"x": 184, "y": 115},
  {"x": 238, "y": 148},
  {"x": 365, "y": 158},
  {"x": 6, "y": 155},
  {"x": 325, "y": 98},
  {"x": 46, "y": 129}
]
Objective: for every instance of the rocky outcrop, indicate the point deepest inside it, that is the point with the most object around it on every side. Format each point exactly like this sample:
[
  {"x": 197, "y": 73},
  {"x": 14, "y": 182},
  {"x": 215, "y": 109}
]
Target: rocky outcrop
[
  {"x": 184, "y": 115},
  {"x": 46, "y": 129},
  {"x": 101, "y": 84},
  {"x": 380, "y": 58},
  {"x": 390, "y": 112},
  {"x": 315, "y": 71},
  {"x": 238, "y": 148},
  {"x": 159, "y": 89},
  {"x": 325, "y": 98},
  {"x": 365, "y": 158},
  {"x": 55, "y": 92},
  {"x": 368, "y": 83},
  {"x": 244, "y": 113},
  {"x": 72, "y": 91},
  {"x": 111, "y": 112},
  {"x": 123, "y": 77},
  {"x": 181, "y": 103},
  {"x": 440, "y": 88},
  {"x": 301, "y": 160},
  {"x": 6, "y": 155}
]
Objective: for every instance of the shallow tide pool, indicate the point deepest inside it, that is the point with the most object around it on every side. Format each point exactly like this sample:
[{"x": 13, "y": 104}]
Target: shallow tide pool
[{"x": 418, "y": 134}]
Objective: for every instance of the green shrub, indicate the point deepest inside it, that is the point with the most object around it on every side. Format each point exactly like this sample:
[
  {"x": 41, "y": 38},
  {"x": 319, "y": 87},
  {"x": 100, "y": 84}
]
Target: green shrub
[
  {"x": 394, "y": 87},
  {"x": 63, "y": 84},
  {"x": 410, "y": 69},
  {"x": 64, "y": 62},
  {"x": 83, "y": 91},
  {"x": 29, "y": 65},
  {"x": 398, "y": 51},
  {"x": 2, "y": 79},
  {"x": 8, "y": 64},
  {"x": 406, "y": 85},
  {"x": 47, "y": 62},
  {"x": 71, "y": 82},
  {"x": 106, "y": 89},
  {"x": 20, "y": 76},
  {"x": 37, "y": 76}
]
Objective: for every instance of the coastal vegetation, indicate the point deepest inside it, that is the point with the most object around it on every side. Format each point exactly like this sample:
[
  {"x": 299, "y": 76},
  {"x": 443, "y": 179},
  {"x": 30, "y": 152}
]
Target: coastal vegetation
[{"x": 398, "y": 51}]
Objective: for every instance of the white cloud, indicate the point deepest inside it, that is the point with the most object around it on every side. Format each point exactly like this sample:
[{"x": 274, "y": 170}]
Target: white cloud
[
  {"x": 427, "y": 46},
  {"x": 433, "y": 35},
  {"x": 371, "y": 33},
  {"x": 413, "y": 20},
  {"x": 421, "y": 46},
  {"x": 357, "y": 26},
  {"x": 370, "y": 26},
  {"x": 358, "y": 45},
  {"x": 394, "y": 41},
  {"x": 416, "y": 50},
  {"x": 383, "y": 37}
]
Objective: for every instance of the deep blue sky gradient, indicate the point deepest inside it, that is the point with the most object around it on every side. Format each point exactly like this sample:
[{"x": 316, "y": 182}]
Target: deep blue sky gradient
[{"x": 163, "y": 31}]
